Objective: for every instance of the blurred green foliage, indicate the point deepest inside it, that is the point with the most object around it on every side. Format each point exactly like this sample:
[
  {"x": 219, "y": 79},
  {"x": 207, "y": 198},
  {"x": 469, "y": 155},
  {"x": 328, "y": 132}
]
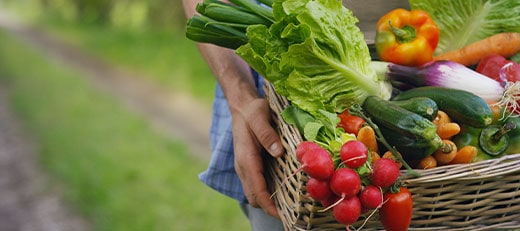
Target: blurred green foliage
[
  {"x": 144, "y": 36},
  {"x": 121, "y": 13},
  {"x": 116, "y": 168}
]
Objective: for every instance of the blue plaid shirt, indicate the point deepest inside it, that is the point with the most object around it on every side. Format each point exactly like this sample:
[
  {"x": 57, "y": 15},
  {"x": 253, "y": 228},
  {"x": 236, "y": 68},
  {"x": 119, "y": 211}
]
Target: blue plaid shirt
[{"x": 220, "y": 174}]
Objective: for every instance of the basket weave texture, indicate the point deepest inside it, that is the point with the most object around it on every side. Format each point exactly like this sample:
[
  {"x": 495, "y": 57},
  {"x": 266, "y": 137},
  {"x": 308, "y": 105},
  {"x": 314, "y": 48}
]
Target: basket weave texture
[{"x": 478, "y": 196}]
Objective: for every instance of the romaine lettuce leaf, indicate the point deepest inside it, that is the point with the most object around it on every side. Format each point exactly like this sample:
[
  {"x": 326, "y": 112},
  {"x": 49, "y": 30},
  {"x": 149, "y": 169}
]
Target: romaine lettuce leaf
[
  {"x": 462, "y": 22},
  {"x": 315, "y": 55}
]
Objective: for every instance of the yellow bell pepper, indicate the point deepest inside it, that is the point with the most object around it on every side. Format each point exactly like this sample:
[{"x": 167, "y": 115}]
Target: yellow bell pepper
[{"x": 406, "y": 37}]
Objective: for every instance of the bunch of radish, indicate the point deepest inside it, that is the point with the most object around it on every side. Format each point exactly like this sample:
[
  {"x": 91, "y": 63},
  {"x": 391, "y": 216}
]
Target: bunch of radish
[{"x": 351, "y": 186}]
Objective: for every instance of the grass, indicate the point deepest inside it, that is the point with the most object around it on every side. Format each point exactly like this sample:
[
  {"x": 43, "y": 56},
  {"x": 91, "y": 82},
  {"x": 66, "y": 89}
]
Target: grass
[
  {"x": 116, "y": 169},
  {"x": 164, "y": 56}
]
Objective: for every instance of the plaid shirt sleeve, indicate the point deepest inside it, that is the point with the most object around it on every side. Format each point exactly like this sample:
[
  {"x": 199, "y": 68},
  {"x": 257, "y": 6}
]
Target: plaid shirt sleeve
[{"x": 220, "y": 174}]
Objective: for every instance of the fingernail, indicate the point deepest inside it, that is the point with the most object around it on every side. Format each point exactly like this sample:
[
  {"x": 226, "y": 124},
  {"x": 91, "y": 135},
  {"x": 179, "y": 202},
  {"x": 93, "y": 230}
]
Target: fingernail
[{"x": 275, "y": 149}]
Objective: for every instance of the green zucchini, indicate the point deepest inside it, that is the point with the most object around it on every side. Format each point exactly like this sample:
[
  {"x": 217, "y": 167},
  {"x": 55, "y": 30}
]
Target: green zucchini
[
  {"x": 418, "y": 132},
  {"x": 411, "y": 148},
  {"x": 462, "y": 106},
  {"x": 423, "y": 106}
]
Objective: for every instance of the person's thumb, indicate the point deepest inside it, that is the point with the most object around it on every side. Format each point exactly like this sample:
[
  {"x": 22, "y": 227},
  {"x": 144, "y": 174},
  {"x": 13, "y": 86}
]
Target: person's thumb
[{"x": 266, "y": 134}]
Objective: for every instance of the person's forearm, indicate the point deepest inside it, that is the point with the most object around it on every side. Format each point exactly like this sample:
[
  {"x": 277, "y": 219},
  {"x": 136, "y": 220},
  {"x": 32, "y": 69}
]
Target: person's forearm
[
  {"x": 232, "y": 73},
  {"x": 252, "y": 131}
]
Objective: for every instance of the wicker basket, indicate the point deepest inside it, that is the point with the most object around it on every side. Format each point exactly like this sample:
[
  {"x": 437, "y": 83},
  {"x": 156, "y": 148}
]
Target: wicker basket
[{"x": 480, "y": 196}]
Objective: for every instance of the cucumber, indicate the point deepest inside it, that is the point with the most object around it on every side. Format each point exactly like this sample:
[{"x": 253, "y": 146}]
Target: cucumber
[
  {"x": 418, "y": 132},
  {"x": 423, "y": 106},
  {"x": 462, "y": 106}
]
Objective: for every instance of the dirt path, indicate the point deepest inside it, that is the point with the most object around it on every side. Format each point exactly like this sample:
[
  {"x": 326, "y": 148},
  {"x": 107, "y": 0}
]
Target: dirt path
[
  {"x": 26, "y": 201},
  {"x": 162, "y": 108}
]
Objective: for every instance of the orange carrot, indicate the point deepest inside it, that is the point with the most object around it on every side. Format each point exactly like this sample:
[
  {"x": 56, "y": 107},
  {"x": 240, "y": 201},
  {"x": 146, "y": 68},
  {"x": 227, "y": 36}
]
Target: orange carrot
[
  {"x": 448, "y": 130},
  {"x": 367, "y": 136},
  {"x": 427, "y": 163},
  {"x": 505, "y": 44},
  {"x": 441, "y": 118},
  {"x": 375, "y": 156},
  {"x": 497, "y": 111},
  {"x": 465, "y": 155},
  {"x": 446, "y": 153},
  {"x": 390, "y": 155}
]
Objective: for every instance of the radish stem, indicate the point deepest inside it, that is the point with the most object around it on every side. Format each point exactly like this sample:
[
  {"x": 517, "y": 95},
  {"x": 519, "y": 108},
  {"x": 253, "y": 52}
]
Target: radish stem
[{"x": 357, "y": 110}]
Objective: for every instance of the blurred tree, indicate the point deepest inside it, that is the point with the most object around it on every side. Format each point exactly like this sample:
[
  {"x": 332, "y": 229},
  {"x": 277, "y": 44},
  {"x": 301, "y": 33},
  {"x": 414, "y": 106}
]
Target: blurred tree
[
  {"x": 166, "y": 13},
  {"x": 97, "y": 11},
  {"x": 161, "y": 14},
  {"x": 179, "y": 19},
  {"x": 45, "y": 3},
  {"x": 130, "y": 14}
]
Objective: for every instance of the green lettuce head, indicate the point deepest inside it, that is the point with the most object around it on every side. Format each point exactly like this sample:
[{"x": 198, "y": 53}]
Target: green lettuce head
[{"x": 315, "y": 55}]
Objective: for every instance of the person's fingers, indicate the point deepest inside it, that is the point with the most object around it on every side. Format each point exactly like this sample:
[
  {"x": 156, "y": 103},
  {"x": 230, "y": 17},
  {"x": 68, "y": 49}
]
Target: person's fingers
[
  {"x": 247, "y": 157},
  {"x": 255, "y": 187},
  {"x": 249, "y": 167},
  {"x": 251, "y": 131},
  {"x": 263, "y": 197},
  {"x": 244, "y": 174},
  {"x": 263, "y": 130}
]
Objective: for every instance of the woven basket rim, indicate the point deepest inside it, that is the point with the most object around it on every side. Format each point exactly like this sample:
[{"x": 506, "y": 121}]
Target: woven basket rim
[{"x": 471, "y": 171}]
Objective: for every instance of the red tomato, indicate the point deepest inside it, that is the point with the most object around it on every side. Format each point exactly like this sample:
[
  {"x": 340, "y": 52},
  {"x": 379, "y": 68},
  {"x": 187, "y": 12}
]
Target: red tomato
[
  {"x": 499, "y": 68},
  {"x": 350, "y": 123},
  {"x": 396, "y": 212}
]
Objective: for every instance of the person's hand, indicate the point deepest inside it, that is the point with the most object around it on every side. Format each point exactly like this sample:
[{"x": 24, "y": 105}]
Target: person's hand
[{"x": 252, "y": 133}]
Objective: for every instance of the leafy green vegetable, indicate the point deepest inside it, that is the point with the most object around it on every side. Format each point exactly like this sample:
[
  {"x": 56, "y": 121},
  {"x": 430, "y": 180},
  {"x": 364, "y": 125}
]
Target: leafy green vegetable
[
  {"x": 295, "y": 116},
  {"x": 462, "y": 22},
  {"x": 315, "y": 55},
  {"x": 321, "y": 128}
]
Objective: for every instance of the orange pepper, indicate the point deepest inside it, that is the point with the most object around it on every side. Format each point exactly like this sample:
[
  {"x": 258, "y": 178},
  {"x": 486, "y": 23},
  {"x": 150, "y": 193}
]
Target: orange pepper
[{"x": 406, "y": 37}]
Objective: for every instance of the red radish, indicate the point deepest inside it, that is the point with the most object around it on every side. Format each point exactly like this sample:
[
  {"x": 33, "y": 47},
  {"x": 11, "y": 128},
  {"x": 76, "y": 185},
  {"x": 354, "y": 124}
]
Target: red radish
[
  {"x": 305, "y": 147},
  {"x": 318, "y": 189},
  {"x": 345, "y": 182},
  {"x": 490, "y": 67},
  {"x": 384, "y": 172},
  {"x": 506, "y": 72},
  {"x": 330, "y": 201},
  {"x": 510, "y": 71},
  {"x": 371, "y": 197},
  {"x": 499, "y": 68},
  {"x": 347, "y": 211},
  {"x": 318, "y": 164},
  {"x": 353, "y": 153}
]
